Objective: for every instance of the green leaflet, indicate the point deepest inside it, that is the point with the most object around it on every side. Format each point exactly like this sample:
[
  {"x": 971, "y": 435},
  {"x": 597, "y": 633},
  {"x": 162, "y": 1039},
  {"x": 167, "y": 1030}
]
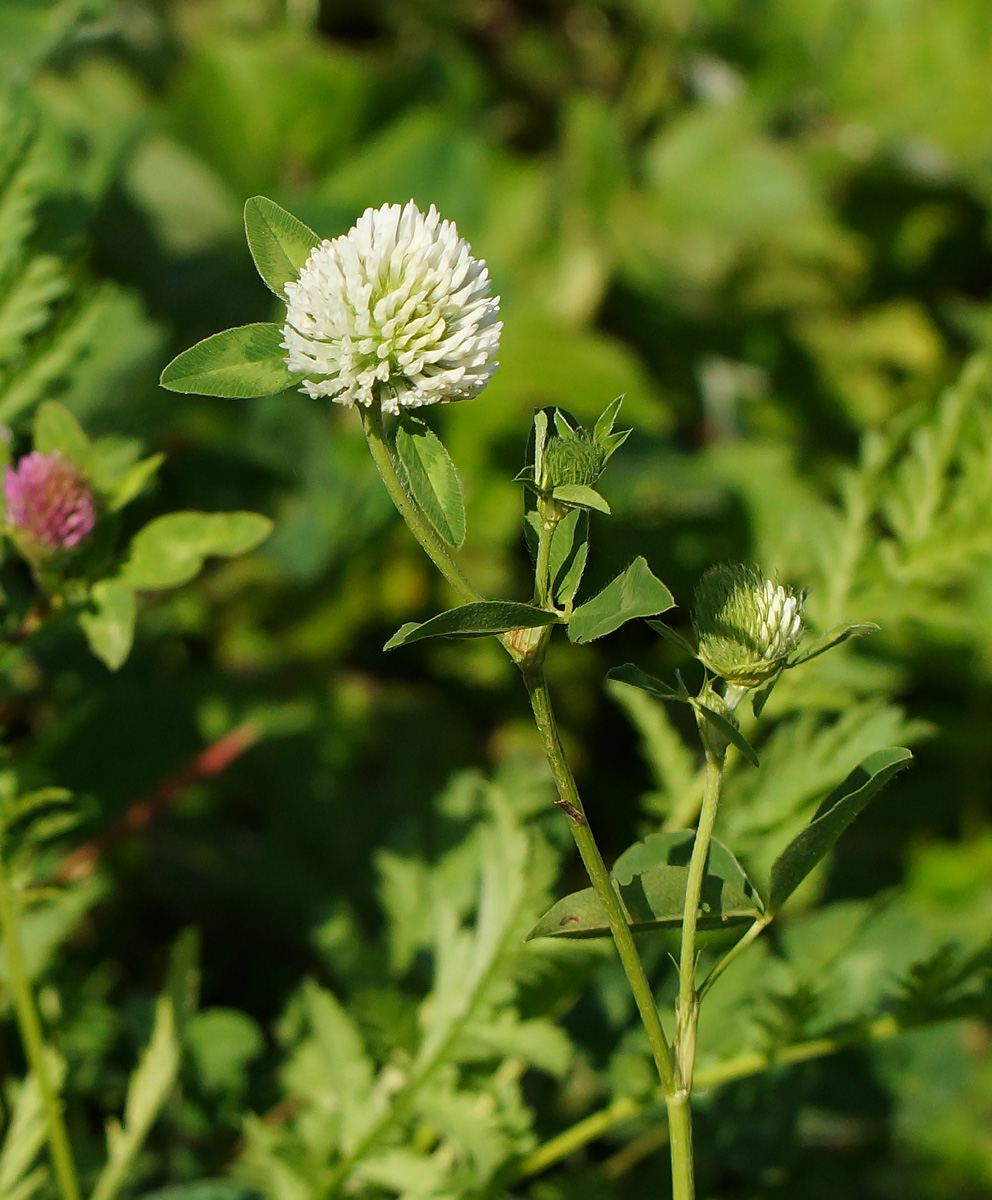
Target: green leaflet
[
  {"x": 635, "y": 593},
  {"x": 581, "y": 494},
  {"x": 567, "y": 555},
  {"x": 280, "y": 244},
  {"x": 238, "y": 363},
  {"x": 170, "y": 550},
  {"x": 474, "y": 620},
  {"x": 109, "y": 623},
  {"x": 651, "y": 877},
  {"x": 432, "y": 479},
  {"x": 833, "y": 816}
]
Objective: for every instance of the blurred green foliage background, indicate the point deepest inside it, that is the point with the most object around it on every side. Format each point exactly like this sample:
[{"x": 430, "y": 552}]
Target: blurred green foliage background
[{"x": 769, "y": 224}]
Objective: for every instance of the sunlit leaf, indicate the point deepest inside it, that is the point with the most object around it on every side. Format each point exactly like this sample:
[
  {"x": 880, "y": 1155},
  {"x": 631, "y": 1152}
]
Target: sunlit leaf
[
  {"x": 238, "y": 363},
  {"x": 280, "y": 244},
  {"x": 635, "y": 593}
]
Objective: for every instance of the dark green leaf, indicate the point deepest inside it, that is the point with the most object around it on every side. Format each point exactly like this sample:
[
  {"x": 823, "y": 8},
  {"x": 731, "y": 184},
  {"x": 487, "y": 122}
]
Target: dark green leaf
[
  {"x": 567, "y": 555},
  {"x": 831, "y": 638},
  {"x": 635, "y": 593},
  {"x": 832, "y": 818},
  {"x": 671, "y": 636},
  {"x": 474, "y": 620},
  {"x": 651, "y": 877},
  {"x": 578, "y": 493},
  {"x": 635, "y": 677},
  {"x": 728, "y": 730},
  {"x": 109, "y": 627},
  {"x": 238, "y": 363},
  {"x": 279, "y": 243},
  {"x": 432, "y": 477},
  {"x": 171, "y": 550}
]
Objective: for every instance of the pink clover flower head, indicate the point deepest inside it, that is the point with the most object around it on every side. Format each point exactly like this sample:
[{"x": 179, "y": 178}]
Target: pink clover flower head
[{"x": 49, "y": 501}]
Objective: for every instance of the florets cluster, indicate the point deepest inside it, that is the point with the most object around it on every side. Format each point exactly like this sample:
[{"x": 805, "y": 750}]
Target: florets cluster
[
  {"x": 395, "y": 309},
  {"x": 746, "y": 625},
  {"x": 48, "y": 502}
]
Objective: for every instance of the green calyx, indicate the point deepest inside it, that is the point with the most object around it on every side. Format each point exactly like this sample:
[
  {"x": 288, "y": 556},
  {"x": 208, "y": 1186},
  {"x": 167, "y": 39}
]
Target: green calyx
[
  {"x": 746, "y": 625},
  {"x": 576, "y": 459}
]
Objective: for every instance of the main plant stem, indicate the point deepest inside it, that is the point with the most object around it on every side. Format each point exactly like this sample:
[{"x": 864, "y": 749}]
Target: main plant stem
[
  {"x": 34, "y": 1042},
  {"x": 528, "y": 653},
  {"x": 599, "y": 877}
]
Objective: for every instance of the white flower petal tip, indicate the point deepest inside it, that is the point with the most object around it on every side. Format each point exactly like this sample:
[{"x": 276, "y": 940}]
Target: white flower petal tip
[{"x": 396, "y": 308}]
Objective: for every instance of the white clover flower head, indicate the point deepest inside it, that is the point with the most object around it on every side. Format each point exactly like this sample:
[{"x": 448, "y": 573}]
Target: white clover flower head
[
  {"x": 395, "y": 309},
  {"x": 746, "y": 625}
]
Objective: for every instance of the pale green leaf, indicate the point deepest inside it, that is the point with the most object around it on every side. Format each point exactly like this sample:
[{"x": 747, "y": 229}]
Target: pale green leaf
[
  {"x": 238, "y": 363},
  {"x": 346, "y": 1065},
  {"x": 579, "y": 493},
  {"x": 56, "y": 429},
  {"x": 26, "y": 1131},
  {"x": 171, "y": 550},
  {"x": 280, "y": 244},
  {"x": 109, "y": 624}
]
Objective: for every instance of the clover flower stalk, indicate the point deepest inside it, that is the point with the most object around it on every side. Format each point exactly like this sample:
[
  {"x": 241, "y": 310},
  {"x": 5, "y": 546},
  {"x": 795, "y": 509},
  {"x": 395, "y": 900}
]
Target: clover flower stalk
[
  {"x": 396, "y": 310},
  {"x": 49, "y": 505},
  {"x": 394, "y": 315}
]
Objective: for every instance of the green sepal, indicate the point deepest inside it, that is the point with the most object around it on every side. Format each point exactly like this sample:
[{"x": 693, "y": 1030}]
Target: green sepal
[
  {"x": 833, "y": 637},
  {"x": 279, "y": 243},
  {"x": 478, "y": 619},
  {"x": 833, "y": 816},
  {"x": 635, "y": 677},
  {"x": 171, "y": 550},
  {"x": 580, "y": 493},
  {"x": 237, "y": 363},
  {"x": 635, "y": 593},
  {"x": 651, "y": 877},
  {"x": 432, "y": 478}
]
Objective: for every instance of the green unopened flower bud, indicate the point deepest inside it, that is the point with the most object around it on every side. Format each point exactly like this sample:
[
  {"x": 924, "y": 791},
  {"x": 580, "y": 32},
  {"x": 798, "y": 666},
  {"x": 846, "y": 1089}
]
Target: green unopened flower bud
[
  {"x": 746, "y": 625},
  {"x": 568, "y": 460}
]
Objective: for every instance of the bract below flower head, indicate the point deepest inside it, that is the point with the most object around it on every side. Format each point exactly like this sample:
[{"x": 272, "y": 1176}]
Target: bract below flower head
[
  {"x": 746, "y": 625},
  {"x": 49, "y": 503},
  {"x": 395, "y": 309}
]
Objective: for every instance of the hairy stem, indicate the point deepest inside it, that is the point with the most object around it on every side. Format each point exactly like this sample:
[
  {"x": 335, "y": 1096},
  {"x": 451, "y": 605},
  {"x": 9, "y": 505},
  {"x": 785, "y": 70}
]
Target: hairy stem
[
  {"x": 34, "y": 1042},
  {"x": 688, "y": 1001},
  {"x": 599, "y": 877}
]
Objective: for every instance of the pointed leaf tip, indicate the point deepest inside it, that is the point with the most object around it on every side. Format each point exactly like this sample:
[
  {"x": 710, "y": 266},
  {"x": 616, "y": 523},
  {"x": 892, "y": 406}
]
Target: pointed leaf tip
[
  {"x": 833, "y": 816},
  {"x": 280, "y": 244}
]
